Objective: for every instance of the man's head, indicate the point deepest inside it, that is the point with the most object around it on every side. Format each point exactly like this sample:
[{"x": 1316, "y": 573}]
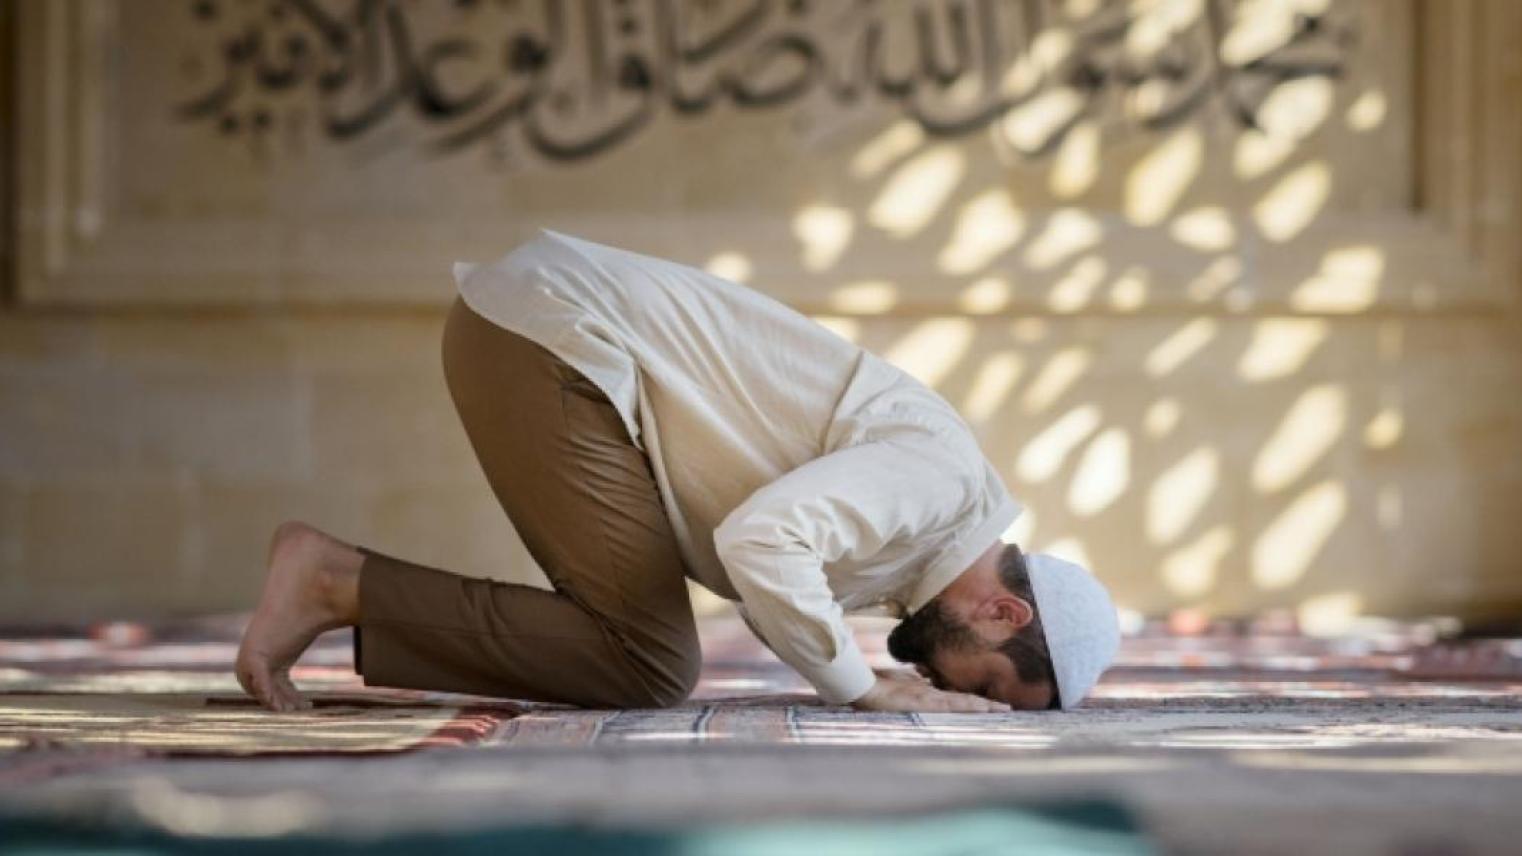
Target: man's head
[
  {"x": 1032, "y": 631},
  {"x": 990, "y": 645}
]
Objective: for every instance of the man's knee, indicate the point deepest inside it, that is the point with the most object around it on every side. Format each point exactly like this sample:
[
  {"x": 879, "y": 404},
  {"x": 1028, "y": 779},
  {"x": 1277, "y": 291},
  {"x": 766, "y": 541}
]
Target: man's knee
[
  {"x": 684, "y": 679},
  {"x": 665, "y": 680}
]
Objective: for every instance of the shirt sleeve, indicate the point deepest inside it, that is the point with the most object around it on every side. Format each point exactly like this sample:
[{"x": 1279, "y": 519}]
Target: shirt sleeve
[
  {"x": 751, "y": 623},
  {"x": 846, "y": 505}
]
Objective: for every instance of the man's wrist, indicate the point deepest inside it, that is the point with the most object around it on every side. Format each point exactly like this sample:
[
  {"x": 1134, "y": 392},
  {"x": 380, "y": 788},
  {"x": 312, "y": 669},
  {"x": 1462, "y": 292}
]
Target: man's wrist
[
  {"x": 859, "y": 700},
  {"x": 845, "y": 679}
]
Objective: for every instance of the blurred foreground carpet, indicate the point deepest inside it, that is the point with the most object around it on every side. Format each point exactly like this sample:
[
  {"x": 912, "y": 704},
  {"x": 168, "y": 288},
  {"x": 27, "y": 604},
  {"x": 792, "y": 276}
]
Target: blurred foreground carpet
[{"x": 1235, "y": 738}]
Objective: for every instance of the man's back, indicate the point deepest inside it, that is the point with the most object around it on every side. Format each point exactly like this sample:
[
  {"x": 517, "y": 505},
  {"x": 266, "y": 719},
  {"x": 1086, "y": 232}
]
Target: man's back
[
  {"x": 753, "y": 414},
  {"x": 725, "y": 388},
  {"x": 693, "y": 335}
]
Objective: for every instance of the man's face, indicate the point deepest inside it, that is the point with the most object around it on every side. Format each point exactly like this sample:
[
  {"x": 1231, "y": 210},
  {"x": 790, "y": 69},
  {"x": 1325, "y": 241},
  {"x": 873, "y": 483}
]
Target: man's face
[
  {"x": 960, "y": 657},
  {"x": 987, "y": 673}
]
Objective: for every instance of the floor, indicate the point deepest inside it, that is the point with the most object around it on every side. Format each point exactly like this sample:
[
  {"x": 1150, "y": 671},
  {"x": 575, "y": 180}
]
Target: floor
[{"x": 1241, "y": 737}]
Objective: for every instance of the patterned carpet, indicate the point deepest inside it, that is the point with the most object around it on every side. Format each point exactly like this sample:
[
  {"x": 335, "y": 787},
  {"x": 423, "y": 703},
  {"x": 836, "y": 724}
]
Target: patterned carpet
[{"x": 103, "y": 716}]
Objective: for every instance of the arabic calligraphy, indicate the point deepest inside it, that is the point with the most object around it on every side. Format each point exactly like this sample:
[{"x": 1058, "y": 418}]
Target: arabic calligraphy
[{"x": 577, "y": 78}]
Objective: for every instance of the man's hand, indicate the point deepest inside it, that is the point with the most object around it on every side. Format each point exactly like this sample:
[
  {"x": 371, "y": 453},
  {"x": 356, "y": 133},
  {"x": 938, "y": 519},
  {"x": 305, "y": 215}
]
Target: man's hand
[
  {"x": 918, "y": 696},
  {"x": 900, "y": 672}
]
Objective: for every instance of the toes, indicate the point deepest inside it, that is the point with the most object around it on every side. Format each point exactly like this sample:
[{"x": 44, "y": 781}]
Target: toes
[
  {"x": 290, "y": 696},
  {"x": 280, "y": 701},
  {"x": 259, "y": 683},
  {"x": 245, "y": 679},
  {"x": 260, "y": 688}
]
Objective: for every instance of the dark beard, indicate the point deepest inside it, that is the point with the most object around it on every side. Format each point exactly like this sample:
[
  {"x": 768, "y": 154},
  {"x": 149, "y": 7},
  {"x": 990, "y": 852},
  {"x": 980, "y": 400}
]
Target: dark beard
[{"x": 932, "y": 629}]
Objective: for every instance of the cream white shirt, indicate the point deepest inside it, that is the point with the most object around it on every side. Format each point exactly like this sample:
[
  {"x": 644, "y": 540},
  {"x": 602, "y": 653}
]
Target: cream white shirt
[{"x": 804, "y": 476}]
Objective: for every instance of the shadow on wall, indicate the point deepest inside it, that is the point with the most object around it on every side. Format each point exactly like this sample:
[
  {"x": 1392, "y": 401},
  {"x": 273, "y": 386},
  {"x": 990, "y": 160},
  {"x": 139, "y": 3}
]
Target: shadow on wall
[
  {"x": 1185, "y": 283},
  {"x": 1231, "y": 431}
]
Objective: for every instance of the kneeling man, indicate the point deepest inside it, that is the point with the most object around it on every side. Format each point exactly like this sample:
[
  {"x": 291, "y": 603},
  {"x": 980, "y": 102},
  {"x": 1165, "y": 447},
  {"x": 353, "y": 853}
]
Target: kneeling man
[{"x": 643, "y": 422}]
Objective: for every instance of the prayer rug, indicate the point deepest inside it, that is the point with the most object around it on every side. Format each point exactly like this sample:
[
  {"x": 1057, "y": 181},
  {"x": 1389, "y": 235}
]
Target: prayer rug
[
  {"x": 106, "y": 727},
  {"x": 126, "y": 691}
]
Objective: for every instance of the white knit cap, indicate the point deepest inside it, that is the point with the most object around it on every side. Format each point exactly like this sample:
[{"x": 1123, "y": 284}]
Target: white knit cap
[{"x": 1079, "y": 619}]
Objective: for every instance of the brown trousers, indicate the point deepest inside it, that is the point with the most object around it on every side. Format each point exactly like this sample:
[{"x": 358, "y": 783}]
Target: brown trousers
[{"x": 618, "y": 630}]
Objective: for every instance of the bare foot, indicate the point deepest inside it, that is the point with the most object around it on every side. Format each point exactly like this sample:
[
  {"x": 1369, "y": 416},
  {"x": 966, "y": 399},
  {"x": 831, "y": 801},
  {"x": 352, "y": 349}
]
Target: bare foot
[{"x": 311, "y": 587}]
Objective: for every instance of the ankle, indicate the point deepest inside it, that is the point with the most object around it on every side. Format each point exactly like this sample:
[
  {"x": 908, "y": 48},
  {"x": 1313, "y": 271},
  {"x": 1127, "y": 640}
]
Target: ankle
[{"x": 338, "y": 583}]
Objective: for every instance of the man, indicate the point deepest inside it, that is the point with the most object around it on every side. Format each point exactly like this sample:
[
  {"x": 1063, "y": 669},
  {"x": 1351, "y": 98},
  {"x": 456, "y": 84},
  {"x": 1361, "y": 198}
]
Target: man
[{"x": 643, "y": 421}]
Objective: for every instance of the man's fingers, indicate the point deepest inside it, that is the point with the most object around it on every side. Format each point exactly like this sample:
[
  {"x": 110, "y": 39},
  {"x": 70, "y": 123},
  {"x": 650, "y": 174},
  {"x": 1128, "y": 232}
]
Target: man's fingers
[
  {"x": 941, "y": 701},
  {"x": 911, "y": 695},
  {"x": 966, "y": 703},
  {"x": 991, "y": 706}
]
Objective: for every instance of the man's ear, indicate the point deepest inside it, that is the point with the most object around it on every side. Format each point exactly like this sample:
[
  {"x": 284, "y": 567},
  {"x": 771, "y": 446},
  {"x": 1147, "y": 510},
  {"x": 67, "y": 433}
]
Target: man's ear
[{"x": 1010, "y": 609}]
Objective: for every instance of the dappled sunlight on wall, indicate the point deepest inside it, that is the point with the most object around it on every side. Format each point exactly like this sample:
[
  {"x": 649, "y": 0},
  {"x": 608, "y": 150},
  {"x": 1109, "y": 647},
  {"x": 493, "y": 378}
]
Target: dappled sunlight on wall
[
  {"x": 998, "y": 374},
  {"x": 1066, "y": 232},
  {"x": 1055, "y": 377},
  {"x": 986, "y": 296},
  {"x": 1226, "y": 288},
  {"x": 1103, "y": 473},
  {"x": 731, "y": 265},
  {"x": 1184, "y": 343},
  {"x": 1284, "y": 550},
  {"x": 1348, "y": 280},
  {"x": 1158, "y": 181},
  {"x": 870, "y": 296},
  {"x": 1045, "y": 454},
  {"x": 932, "y": 348},
  {"x": 825, "y": 232},
  {"x": 1219, "y": 477},
  {"x": 1192, "y": 570},
  {"x": 1292, "y": 204},
  {"x": 986, "y": 226},
  {"x": 1280, "y": 347},
  {"x": 914, "y": 194},
  {"x": 1180, "y": 492},
  {"x": 1162, "y": 417},
  {"x": 1307, "y": 431},
  {"x": 1161, "y": 346}
]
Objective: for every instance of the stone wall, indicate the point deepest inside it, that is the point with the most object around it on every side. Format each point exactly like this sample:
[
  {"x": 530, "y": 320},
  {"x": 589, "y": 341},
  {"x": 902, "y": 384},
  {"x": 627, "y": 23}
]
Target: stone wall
[{"x": 1231, "y": 364}]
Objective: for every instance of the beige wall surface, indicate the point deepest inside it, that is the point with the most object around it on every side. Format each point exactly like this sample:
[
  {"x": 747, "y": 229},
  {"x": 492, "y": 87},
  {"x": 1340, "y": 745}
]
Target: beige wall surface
[{"x": 1228, "y": 288}]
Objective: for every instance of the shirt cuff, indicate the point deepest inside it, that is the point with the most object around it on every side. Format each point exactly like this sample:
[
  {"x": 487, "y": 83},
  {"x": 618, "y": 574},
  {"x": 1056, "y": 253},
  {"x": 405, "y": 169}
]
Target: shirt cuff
[{"x": 844, "y": 679}]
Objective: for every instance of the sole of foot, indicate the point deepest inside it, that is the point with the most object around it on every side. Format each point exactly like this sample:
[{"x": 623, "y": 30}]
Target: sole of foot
[{"x": 295, "y": 606}]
